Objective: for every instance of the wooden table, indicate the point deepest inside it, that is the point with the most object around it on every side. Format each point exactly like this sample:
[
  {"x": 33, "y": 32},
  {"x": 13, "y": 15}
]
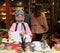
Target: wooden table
[
  {"x": 55, "y": 49},
  {"x": 8, "y": 51},
  {"x": 37, "y": 52}
]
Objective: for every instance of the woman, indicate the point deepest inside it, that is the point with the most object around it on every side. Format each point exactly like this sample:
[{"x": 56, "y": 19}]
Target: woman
[
  {"x": 20, "y": 29},
  {"x": 38, "y": 23}
]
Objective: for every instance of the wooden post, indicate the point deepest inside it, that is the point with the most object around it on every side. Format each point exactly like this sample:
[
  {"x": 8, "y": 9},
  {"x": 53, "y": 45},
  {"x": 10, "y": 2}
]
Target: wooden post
[
  {"x": 7, "y": 13},
  {"x": 54, "y": 8}
]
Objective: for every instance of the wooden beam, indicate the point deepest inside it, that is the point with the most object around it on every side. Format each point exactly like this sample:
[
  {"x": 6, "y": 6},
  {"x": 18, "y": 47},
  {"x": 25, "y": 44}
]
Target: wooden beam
[{"x": 7, "y": 13}]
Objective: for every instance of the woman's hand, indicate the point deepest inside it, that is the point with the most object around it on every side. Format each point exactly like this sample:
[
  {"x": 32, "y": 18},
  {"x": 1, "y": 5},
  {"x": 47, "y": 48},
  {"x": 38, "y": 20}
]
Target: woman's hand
[{"x": 22, "y": 32}]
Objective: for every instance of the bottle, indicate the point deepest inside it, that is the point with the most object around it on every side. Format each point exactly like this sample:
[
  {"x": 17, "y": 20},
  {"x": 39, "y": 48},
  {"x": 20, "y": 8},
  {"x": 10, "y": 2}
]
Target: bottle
[{"x": 32, "y": 47}]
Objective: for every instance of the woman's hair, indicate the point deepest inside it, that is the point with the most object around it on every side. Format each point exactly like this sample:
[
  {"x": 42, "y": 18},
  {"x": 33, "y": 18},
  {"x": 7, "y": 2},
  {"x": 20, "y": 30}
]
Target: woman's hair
[
  {"x": 19, "y": 12},
  {"x": 34, "y": 4},
  {"x": 38, "y": 10}
]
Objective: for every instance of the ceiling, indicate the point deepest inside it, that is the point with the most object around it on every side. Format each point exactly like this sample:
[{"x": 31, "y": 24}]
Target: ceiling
[{"x": 13, "y": 2}]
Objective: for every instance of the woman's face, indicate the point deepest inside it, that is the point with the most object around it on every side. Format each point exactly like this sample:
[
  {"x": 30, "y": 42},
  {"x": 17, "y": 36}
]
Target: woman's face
[
  {"x": 19, "y": 18},
  {"x": 33, "y": 6}
]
